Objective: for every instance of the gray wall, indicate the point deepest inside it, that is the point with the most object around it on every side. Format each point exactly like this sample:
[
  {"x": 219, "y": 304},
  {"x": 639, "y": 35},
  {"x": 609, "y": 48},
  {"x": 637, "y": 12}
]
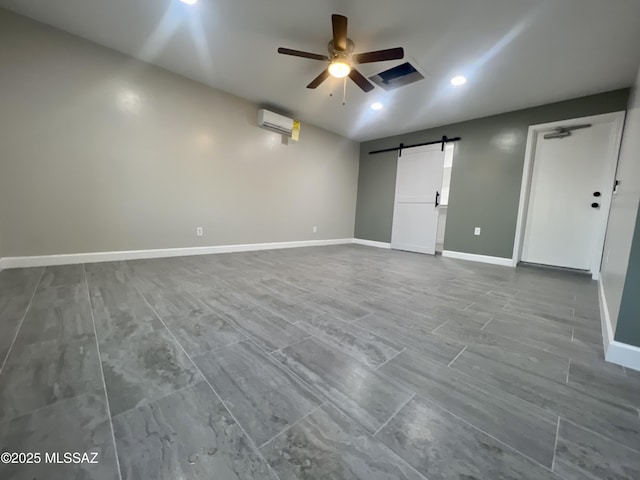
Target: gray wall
[
  {"x": 486, "y": 176},
  {"x": 628, "y": 328},
  {"x": 621, "y": 262},
  {"x": 101, "y": 153}
]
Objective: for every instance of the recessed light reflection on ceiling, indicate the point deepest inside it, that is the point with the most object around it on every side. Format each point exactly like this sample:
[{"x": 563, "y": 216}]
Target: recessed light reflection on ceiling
[
  {"x": 376, "y": 106},
  {"x": 458, "y": 80},
  {"x": 189, "y": 2}
]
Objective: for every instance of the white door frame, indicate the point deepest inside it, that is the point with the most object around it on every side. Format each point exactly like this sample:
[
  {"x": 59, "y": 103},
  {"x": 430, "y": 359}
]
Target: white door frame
[{"x": 617, "y": 118}]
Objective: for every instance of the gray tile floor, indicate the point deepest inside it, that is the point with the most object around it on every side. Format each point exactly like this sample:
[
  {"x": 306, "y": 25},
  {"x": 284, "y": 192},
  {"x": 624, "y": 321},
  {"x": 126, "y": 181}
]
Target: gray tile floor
[{"x": 315, "y": 363}]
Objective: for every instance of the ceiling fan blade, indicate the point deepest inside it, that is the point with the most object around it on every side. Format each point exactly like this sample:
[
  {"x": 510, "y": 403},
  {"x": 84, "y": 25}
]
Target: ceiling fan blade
[
  {"x": 315, "y": 83},
  {"x": 380, "y": 55},
  {"x": 339, "y": 23},
  {"x": 359, "y": 80},
  {"x": 299, "y": 53}
]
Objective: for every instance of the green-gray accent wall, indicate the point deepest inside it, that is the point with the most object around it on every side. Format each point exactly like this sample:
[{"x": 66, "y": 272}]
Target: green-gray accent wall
[
  {"x": 486, "y": 175},
  {"x": 628, "y": 329},
  {"x": 620, "y": 275}
]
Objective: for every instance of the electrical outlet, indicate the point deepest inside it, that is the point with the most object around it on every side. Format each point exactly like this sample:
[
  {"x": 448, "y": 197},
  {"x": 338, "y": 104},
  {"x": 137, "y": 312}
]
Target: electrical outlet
[
  {"x": 199, "y": 232},
  {"x": 476, "y": 231},
  {"x": 315, "y": 229}
]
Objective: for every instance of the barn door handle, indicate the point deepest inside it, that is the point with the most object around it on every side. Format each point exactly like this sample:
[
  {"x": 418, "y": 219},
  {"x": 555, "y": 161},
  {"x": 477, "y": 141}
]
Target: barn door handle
[{"x": 437, "y": 198}]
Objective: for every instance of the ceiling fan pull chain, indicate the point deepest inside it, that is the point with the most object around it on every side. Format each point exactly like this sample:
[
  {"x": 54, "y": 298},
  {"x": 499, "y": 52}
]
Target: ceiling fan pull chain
[{"x": 344, "y": 92}]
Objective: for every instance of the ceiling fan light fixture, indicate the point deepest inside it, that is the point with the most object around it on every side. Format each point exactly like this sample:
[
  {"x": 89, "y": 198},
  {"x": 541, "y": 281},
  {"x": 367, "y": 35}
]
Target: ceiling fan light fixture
[{"x": 339, "y": 69}]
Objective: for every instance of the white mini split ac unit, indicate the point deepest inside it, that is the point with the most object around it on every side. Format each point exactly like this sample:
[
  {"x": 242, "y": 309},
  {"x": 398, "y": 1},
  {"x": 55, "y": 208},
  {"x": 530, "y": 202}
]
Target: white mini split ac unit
[{"x": 275, "y": 122}]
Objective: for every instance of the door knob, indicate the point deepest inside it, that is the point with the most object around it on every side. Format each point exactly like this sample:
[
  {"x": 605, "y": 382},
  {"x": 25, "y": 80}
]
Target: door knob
[
  {"x": 596, "y": 194},
  {"x": 595, "y": 205}
]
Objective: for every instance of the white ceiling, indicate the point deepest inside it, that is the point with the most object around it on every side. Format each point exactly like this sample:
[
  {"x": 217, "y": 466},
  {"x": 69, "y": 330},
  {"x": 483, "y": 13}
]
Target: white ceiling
[{"x": 516, "y": 53}]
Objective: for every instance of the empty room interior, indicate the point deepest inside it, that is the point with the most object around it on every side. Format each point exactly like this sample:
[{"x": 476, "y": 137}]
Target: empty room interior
[{"x": 319, "y": 240}]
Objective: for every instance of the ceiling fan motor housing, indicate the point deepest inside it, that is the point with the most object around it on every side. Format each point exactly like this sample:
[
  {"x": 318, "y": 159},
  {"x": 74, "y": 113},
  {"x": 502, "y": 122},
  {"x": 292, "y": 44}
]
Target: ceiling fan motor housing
[{"x": 333, "y": 51}]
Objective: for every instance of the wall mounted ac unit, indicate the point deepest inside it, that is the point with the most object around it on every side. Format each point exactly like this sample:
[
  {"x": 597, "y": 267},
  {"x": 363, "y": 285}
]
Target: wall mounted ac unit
[{"x": 275, "y": 122}]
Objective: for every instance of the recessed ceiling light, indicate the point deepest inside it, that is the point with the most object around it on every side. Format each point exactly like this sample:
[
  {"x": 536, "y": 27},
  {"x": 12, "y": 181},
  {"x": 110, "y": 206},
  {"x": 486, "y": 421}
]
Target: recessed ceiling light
[
  {"x": 376, "y": 106},
  {"x": 189, "y": 2},
  {"x": 458, "y": 80}
]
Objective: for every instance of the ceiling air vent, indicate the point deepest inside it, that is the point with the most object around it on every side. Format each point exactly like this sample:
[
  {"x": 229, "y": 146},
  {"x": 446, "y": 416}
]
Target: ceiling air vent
[{"x": 397, "y": 76}]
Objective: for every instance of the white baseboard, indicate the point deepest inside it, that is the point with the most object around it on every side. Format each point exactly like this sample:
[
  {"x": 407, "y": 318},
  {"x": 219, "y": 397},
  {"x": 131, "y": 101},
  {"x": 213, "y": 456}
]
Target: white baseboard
[
  {"x": 371, "y": 243},
  {"x": 2, "y": 264},
  {"x": 615, "y": 352},
  {"x": 506, "y": 262},
  {"x": 605, "y": 319},
  {"x": 623, "y": 354},
  {"x": 75, "y": 258}
]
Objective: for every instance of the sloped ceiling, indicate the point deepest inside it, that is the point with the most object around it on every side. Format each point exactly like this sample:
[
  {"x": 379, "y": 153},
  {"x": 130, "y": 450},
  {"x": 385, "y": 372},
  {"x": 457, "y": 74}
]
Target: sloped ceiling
[{"x": 515, "y": 53}]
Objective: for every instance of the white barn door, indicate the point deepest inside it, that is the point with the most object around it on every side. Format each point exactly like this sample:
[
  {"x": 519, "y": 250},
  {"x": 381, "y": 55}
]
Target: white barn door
[{"x": 418, "y": 188}]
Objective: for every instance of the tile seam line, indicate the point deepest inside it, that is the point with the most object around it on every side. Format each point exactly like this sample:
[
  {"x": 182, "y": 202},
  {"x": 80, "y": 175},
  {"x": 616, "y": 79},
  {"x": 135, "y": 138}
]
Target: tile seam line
[
  {"x": 456, "y": 357},
  {"x": 256, "y": 309},
  {"x": 488, "y": 322},
  {"x": 322, "y": 395},
  {"x": 308, "y": 336},
  {"x": 389, "y": 359},
  {"x": 279, "y": 350},
  {"x": 618, "y": 406},
  {"x": 193, "y": 293},
  {"x": 149, "y": 402},
  {"x": 249, "y": 439},
  {"x": 291, "y": 372},
  {"x": 322, "y": 336},
  {"x": 501, "y": 442},
  {"x": 24, "y": 316},
  {"x": 351, "y": 357},
  {"x": 441, "y": 325},
  {"x": 225, "y": 318},
  {"x": 388, "y": 449},
  {"x": 399, "y": 342},
  {"x": 514, "y": 340},
  {"x": 104, "y": 383},
  {"x": 216, "y": 349},
  {"x": 293, "y": 424},
  {"x": 506, "y": 397},
  {"x": 279, "y": 364},
  {"x": 62, "y": 400},
  {"x": 402, "y": 405},
  {"x": 555, "y": 445},
  {"x": 602, "y": 436}
]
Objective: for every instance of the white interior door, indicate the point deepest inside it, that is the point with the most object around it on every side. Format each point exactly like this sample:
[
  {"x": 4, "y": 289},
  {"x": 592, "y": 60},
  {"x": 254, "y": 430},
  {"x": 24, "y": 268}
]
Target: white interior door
[
  {"x": 570, "y": 193},
  {"x": 415, "y": 213}
]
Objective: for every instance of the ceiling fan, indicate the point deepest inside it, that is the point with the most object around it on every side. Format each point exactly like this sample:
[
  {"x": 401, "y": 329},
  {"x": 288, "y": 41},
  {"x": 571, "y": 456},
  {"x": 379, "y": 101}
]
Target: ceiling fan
[{"x": 341, "y": 57}]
